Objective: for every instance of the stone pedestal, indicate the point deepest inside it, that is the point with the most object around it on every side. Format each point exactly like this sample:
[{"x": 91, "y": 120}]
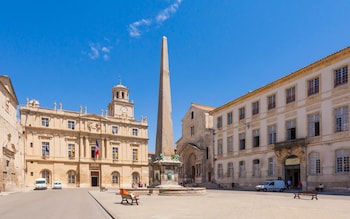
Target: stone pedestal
[{"x": 165, "y": 172}]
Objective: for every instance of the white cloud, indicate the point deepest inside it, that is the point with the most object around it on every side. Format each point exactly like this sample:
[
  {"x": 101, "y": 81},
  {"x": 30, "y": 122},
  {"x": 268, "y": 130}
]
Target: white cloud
[
  {"x": 94, "y": 53},
  {"x": 105, "y": 57},
  {"x": 96, "y": 50},
  {"x": 166, "y": 13},
  {"x": 136, "y": 28},
  {"x": 105, "y": 49}
]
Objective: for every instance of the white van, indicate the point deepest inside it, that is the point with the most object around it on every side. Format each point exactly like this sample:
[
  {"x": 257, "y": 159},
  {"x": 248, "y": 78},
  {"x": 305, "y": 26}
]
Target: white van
[
  {"x": 272, "y": 185},
  {"x": 40, "y": 183}
]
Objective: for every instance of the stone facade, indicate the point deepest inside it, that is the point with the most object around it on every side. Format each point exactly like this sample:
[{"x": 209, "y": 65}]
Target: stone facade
[
  {"x": 62, "y": 145},
  {"x": 195, "y": 146},
  {"x": 11, "y": 140},
  {"x": 294, "y": 128}
]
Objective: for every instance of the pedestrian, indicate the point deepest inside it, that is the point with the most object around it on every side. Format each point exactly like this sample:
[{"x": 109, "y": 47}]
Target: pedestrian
[
  {"x": 300, "y": 186},
  {"x": 289, "y": 183}
]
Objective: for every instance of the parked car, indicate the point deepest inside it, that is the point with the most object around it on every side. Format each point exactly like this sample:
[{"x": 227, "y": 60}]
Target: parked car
[
  {"x": 40, "y": 183},
  {"x": 57, "y": 185},
  {"x": 272, "y": 185}
]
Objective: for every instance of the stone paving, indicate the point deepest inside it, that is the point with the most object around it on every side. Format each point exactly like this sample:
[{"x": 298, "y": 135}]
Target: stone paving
[{"x": 226, "y": 204}]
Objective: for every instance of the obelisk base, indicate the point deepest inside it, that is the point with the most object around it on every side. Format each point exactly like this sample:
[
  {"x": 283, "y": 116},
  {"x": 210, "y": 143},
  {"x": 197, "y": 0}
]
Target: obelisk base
[{"x": 165, "y": 173}]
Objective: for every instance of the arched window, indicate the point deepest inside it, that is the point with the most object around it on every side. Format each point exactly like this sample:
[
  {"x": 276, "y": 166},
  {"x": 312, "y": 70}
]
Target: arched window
[
  {"x": 71, "y": 176},
  {"x": 135, "y": 178},
  {"x": 115, "y": 178}
]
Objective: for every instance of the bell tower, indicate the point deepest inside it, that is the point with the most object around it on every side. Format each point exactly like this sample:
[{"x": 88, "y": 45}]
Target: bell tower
[{"x": 120, "y": 106}]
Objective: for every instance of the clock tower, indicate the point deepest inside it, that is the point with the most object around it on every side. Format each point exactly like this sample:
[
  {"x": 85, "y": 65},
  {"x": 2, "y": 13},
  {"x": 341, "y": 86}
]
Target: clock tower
[{"x": 120, "y": 106}]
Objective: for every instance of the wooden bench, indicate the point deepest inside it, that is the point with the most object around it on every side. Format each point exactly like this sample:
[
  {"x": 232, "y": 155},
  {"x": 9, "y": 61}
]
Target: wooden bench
[
  {"x": 128, "y": 198},
  {"x": 313, "y": 194}
]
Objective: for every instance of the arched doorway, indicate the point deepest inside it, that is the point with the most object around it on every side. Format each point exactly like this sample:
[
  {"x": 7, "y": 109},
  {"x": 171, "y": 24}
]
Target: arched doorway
[
  {"x": 292, "y": 169},
  {"x": 135, "y": 179}
]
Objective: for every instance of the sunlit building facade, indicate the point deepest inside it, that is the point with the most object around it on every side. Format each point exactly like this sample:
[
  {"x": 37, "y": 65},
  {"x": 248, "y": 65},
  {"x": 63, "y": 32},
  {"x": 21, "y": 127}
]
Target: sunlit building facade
[
  {"x": 295, "y": 128},
  {"x": 195, "y": 146},
  {"x": 11, "y": 139},
  {"x": 86, "y": 150}
]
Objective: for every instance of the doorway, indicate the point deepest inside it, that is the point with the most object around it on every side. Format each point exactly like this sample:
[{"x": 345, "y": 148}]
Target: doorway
[
  {"x": 94, "y": 178},
  {"x": 292, "y": 170}
]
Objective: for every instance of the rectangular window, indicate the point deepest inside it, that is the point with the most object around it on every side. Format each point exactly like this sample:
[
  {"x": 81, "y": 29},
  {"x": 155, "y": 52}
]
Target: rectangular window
[
  {"x": 291, "y": 130},
  {"x": 241, "y": 113},
  {"x": 256, "y": 167},
  {"x": 45, "y": 149},
  {"x": 241, "y": 169},
  {"x": 341, "y": 76},
  {"x": 114, "y": 130},
  {"x": 313, "y": 86},
  {"x": 71, "y": 150},
  {"x": 192, "y": 130},
  {"x": 134, "y": 132},
  {"x": 314, "y": 125},
  {"x": 115, "y": 153},
  {"x": 93, "y": 152},
  {"x": 242, "y": 141},
  {"x": 230, "y": 170},
  {"x": 219, "y": 122},
  {"x": 256, "y": 138},
  {"x": 220, "y": 171},
  {"x": 272, "y": 134},
  {"x": 229, "y": 118},
  {"x": 290, "y": 95},
  {"x": 220, "y": 147},
  {"x": 271, "y": 102},
  {"x": 135, "y": 154},
  {"x": 271, "y": 167},
  {"x": 341, "y": 119},
  {"x": 229, "y": 144},
  {"x": 71, "y": 125},
  {"x": 45, "y": 122},
  {"x": 342, "y": 161},
  {"x": 314, "y": 163},
  {"x": 255, "y": 108}
]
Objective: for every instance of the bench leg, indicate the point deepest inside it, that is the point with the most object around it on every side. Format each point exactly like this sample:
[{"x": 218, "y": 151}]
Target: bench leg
[{"x": 124, "y": 200}]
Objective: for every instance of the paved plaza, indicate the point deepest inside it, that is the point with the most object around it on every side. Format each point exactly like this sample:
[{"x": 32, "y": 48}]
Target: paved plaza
[{"x": 226, "y": 204}]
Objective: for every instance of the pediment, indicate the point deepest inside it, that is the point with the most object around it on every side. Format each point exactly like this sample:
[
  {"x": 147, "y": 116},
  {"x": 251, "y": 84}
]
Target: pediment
[{"x": 5, "y": 82}]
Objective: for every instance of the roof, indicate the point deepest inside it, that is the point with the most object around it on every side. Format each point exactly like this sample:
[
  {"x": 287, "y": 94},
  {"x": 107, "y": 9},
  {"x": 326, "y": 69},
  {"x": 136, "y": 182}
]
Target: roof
[{"x": 5, "y": 81}]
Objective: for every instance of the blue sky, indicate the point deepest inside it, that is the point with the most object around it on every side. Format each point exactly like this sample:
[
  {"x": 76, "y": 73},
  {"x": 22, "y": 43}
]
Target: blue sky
[{"x": 74, "y": 52}]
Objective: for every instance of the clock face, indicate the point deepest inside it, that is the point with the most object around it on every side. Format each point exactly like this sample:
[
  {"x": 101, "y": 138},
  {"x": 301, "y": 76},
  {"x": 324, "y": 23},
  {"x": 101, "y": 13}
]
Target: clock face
[{"x": 123, "y": 109}]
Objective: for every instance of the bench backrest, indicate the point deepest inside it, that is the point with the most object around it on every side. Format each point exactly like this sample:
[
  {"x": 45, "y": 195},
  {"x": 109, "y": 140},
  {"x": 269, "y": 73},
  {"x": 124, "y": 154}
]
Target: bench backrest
[{"x": 123, "y": 192}]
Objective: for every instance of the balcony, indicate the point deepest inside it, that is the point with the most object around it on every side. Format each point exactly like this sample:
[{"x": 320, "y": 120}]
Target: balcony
[{"x": 290, "y": 143}]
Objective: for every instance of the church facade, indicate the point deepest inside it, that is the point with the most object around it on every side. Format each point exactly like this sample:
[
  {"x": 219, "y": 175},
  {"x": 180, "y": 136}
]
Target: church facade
[
  {"x": 86, "y": 150},
  {"x": 295, "y": 128},
  {"x": 11, "y": 139},
  {"x": 195, "y": 147}
]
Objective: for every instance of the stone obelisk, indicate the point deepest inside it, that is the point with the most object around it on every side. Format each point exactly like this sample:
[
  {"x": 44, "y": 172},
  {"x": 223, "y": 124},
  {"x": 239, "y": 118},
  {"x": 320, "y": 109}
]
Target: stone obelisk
[
  {"x": 165, "y": 163},
  {"x": 164, "y": 138}
]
